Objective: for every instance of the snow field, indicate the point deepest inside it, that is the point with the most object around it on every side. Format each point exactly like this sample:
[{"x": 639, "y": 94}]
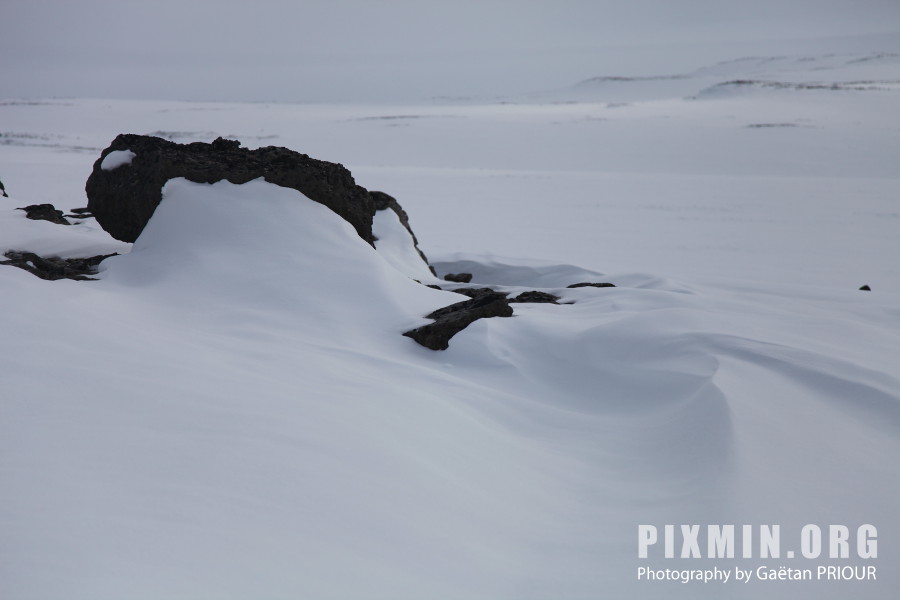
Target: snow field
[{"x": 231, "y": 411}]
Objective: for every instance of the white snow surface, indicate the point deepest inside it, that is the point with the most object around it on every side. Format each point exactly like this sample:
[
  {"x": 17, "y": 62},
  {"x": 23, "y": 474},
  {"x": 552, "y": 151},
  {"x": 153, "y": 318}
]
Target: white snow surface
[
  {"x": 396, "y": 245},
  {"x": 231, "y": 410},
  {"x": 116, "y": 159}
]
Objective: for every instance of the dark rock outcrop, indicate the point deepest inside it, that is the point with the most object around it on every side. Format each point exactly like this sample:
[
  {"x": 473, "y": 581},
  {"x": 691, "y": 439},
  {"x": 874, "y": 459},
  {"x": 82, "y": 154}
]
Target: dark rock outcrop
[
  {"x": 477, "y": 292},
  {"x": 865, "y": 288},
  {"x": 45, "y": 212},
  {"x": 53, "y": 267},
  {"x": 458, "y": 277},
  {"x": 382, "y": 201},
  {"x": 452, "y": 319},
  {"x": 3, "y": 191},
  {"x": 535, "y": 296},
  {"x": 123, "y": 198},
  {"x": 588, "y": 284}
]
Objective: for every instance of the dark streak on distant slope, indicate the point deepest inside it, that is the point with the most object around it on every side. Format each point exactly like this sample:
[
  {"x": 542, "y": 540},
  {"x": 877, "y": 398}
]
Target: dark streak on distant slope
[
  {"x": 11, "y": 138},
  {"x": 758, "y": 84},
  {"x": 34, "y": 103},
  {"x": 879, "y": 56},
  {"x": 622, "y": 79},
  {"x": 403, "y": 117},
  {"x": 770, "y": 125},
  {"x": 182, "y": 135},
  {"x": 174, "y": 136},
  {"x": 857, "y": 86}
]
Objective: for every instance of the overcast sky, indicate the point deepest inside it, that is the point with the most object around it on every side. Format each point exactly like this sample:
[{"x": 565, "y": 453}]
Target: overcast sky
[{"x": 356, "y": 50}]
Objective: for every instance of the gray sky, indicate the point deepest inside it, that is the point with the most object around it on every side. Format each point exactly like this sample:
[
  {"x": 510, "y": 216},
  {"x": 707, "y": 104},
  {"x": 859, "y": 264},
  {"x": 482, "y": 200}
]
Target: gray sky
[{"x": 356, "y": 50}]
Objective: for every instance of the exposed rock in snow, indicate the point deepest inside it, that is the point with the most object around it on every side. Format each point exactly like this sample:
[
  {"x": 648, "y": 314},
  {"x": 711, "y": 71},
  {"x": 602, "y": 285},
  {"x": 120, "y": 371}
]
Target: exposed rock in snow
[
  {"x": 458, "y": 277},
  {"x": 536, "y": 296},
  {"x": 123, "y": 200},
  {"x": 589, "y": 284},
  {"x": 485, "y": 302},
  {"x": 44, "y": 212},
  {"x": 452, "y": 319},
  {"x": 54, "y": 267},
  {"x": 80, "y": 213},
  {"x": 3, "y": 191},
  {"x": 477, "y": 292}
]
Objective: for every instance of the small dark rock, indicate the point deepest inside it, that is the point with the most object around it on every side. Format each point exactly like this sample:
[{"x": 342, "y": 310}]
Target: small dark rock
[
  {"x": 80, "y": 213},
  {"x": 536, "y": 296},
  {"x": 865, "y": 288},
  {"x": 476, "y": 292},
  {"x": 433, "y": 286},
  {"x": 44, "y": 212},
  {"x": 3, "y": 191},
  {"x": 588, "y": 284},
  {"x": 452, "y": 319},
  {"x": 458, "y": 277},
  {"x": 53, "y": 267}
]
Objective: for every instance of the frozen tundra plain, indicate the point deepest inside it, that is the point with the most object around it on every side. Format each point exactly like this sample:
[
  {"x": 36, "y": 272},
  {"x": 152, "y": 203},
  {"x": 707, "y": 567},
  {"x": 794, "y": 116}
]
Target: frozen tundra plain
[{"x": 231, "y": 411}]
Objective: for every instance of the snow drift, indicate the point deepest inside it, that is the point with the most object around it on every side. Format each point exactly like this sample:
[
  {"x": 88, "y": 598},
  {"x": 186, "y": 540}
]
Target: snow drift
[
  {"x": 232, "y": 411},
  {"x": 238, "y": 417}
]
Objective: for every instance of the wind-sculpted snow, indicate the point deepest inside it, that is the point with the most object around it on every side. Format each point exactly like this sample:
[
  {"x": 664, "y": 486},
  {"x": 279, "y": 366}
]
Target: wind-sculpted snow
[
  {"x": 218, "y": 244},
  {"x": 238, "y": 415},
  {"x": 230, "y": 410}
]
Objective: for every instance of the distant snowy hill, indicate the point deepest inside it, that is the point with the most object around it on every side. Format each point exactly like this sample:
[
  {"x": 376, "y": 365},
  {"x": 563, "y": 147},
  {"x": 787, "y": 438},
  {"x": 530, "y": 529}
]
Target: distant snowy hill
[
  {"x": 858, "y": 71},
  {"x": 231, "y": 409}
]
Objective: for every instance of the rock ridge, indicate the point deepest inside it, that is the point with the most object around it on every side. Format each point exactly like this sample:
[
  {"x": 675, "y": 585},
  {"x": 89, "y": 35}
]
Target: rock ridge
[{"x": 123, "y": 192}]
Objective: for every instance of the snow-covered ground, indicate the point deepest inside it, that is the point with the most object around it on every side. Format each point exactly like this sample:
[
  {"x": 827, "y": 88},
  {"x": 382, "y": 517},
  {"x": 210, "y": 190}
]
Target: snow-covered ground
[{"x": 231, "y": 411}]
